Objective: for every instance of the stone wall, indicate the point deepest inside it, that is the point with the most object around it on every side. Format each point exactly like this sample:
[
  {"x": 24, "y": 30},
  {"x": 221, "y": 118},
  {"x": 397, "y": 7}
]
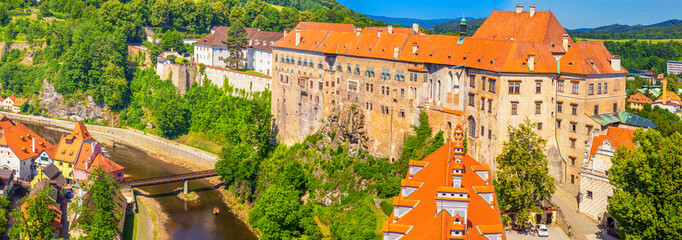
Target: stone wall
[
  {"x": 601, "y": 189},
  {"x": 182, "y": 75},
  {"x": 240, "y": 80},
  {"x": 135, "y": 49},
  {"x": 132, "y": 137}
]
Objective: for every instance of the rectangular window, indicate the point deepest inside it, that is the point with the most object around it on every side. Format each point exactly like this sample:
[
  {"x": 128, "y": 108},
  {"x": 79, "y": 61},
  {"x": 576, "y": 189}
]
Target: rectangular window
[
  {"x": 357, "y": 69},
  {"x": 514, "y": 87},
  {"x": 560, "y": 85},
  {"x": 490, "y": 134},
  {"x": 589, "y": 194},
  {"x": 482, "y": 131},
  {"x": 596, "y": 109},
  {"x": 483, "y": 103},
  {"x": 598, "y": 88},
  {"x": 338, "y": 67},
  {"x": 538, "y": 107},
  {"x": 471, "y": 99},
  {"x": 491, "y": 85},
  {"x": 615, "y": 107},
  {"x": 572, "y": 142},
  {"x": 590, "y": 90},
  {"x": 574, "y": 126},
  {"x": 574, "y": 109},
  {"x": 589, "y": 129},
  {"x": 426, "y": 77},
  {"x": 559, "y": 106},
  {"x": 490, "y": 105},
  {"x": 348, "y": 68},
  {"x": 558, "y": 123},
  {"x": 276, "y": 56},
  {"x": 319, "y": 65},
  {"x": 539, "y": 126},
  {"x": 321, "y": 85},
  {"x": 538, "y": 86},
  {"x": 472, "y": 81},
  {"x": 352, "y": 86},
  {"x": 606, "y": 88},
  {"x": 572, "y": 160},
  {"x": 402, "y": 113},
  {"x": 514, "y": 108},
  {"x": 483, "y": 79},
  {"x": 575, "y": 86},
  {"x": 402, "y": 92}
]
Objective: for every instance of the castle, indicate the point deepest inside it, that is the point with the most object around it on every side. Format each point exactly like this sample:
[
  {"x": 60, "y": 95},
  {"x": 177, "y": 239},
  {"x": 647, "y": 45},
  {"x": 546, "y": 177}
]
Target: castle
[{"x": 519, "y": 64}]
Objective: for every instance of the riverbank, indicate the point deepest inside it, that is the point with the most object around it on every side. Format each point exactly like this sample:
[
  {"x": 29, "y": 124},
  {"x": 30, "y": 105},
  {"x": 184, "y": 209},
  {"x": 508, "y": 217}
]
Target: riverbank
[
  {"x": 165, "y": 151},
  {"x": 152, "y": 218}
]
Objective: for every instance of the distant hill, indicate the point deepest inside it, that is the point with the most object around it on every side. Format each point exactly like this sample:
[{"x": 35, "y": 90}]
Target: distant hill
[
  {"x": 453, "y": 26},
  {"x": 663, "y": 30},
  {"x": 407, "y": 22}
]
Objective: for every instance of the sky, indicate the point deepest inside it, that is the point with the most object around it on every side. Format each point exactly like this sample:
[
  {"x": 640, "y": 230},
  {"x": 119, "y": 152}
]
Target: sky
[{"x": 571, "y": 13}]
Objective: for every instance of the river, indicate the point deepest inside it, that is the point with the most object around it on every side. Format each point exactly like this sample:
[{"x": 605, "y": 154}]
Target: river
[{"x": 187, "y": 220}]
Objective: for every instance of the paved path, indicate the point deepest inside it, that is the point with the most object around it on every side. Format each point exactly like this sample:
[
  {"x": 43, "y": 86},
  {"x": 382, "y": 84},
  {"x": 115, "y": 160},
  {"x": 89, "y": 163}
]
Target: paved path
[
  {"x": 582, "y": 227},
  {"x": 555, "y": 233}
]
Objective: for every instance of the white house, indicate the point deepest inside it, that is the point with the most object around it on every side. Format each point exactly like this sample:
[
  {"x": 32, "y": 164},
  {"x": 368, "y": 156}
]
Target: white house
[
  {"x": 13, "y": 103},
  {"x": 19, "y": 147},
  {"x": 211, "y": 50}
]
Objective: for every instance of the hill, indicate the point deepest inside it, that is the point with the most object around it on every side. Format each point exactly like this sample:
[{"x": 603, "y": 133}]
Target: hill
[
  {"x": 407, "y": 22},
  {"x": 670, "y": 29},
  {"x": 453, "y": 26}
]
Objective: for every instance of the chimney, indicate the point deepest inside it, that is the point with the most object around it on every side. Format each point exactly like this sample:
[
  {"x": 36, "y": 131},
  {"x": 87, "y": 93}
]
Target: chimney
[
  {"x": 34, "y": 144},
  {"x": 379, "y": 33},
  {"x": 519, "y": 8},
  {"x": 298, "y": 37},
  {"x": 414, "y": 48},
  {"x": 390, "y": 29},
  {"x": 357, "y": 32},
  {"x": 531, "y": 62},
  {"x": 664, "y": 89},
  {"x": 532, "y": 10},
  {"x": 415, "y": 27},
  {"x": 615, "y": 63},
  {"x": 396, "y": 50},
  {"x": 285, "y": 32},
  {"x": 565, "y": 42}
]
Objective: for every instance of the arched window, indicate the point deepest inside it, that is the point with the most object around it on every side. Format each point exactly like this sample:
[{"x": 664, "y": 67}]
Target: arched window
[
  {"x": 472, "y": 127},
  {"x": 439, "y": 89},
  {"x": 430, "y": 89},
  {"x": 455, "y": 85}
]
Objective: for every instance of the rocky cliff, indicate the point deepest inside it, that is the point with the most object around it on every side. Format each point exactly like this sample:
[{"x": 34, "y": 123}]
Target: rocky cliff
[
  {"x": 346, "y": 127},
  {"x": 76, "y": 110}
]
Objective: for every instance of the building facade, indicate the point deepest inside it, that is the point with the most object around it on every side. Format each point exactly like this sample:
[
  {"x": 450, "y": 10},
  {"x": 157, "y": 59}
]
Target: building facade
[
  {"x": 19, "y": 148},
  {"x": 674, "y": 67},
  {"x": 595, "y": 189},
  {"x": 638, "y": 100},
  {"x": 519, "y": 64},
  {"x": 211, "y": 50}
]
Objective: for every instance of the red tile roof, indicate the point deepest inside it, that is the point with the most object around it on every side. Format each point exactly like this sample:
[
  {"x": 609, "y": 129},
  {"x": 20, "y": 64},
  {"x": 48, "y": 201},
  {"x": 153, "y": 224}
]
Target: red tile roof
[
  {"x": 260, "y": 39},
  {"x": 19, "y": 138},
  {"x": 5, "y": 122},
  {"x": 639, "y": 98},
  {"x": 617, "y": 136},
  {"x": 104, "y": 163},
  {"x": 424, "y": 221},
  {"x": 502, "y": 44}
]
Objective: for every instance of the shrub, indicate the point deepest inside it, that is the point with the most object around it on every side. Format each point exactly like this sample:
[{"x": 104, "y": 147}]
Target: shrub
[{"x": 386, "y": 207}]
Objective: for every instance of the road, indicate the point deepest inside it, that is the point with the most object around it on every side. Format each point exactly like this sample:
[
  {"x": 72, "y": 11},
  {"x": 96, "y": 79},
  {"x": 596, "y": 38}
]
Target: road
[
  {"x": 555, "y": 233},
  {"x": 583, "y": 228}
]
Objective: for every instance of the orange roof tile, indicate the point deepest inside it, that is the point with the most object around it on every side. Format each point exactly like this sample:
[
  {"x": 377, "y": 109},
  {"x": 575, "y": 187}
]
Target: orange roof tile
[
  {"x": 5, "y": 122},
  {"x": 84, "y": 156},
  {"x": 484, "y": 189},
  {"x": 19, "y": 138},
  {"x": 418, "y": 163},
  {"x": 104, "y": 163},
  {"x": 617, "y": 136},
  {"x": 17, "y": 101},
  {"x": 81, "y": 131},
  {"x": 400, "y": 201},
  {"x": 670, "y": 95},
  {"x": 639, "y": 98},
  {"x": 588, "y": 58},
  {"x": 408, "y": 183}
]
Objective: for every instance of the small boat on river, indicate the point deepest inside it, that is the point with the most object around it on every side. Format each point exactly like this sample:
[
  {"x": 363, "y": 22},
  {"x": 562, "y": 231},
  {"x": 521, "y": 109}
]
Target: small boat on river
[{"x": 216, "y": 211}]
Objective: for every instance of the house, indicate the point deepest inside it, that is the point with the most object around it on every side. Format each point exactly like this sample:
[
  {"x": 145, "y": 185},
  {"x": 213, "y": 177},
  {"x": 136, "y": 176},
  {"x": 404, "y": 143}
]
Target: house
[
  {"x": 595, "y": 188},
  {"x": 46, "y": 157},
  {"x": 50, "y": 173},
  {"x": 6, "y": 181},
  {"x": 69, "y": 150},
  {"x": 620, "y": 119},
  {"x": 19, "y": 147},
  {"x": 13, "y": 103},
  {"x": 447, "y": 195},
  {"x": 211, "y": 50},
  {"x": 674, "y": 67},
  {"x": 107, "y": 165},
  {"x": 638, "y": 100}
]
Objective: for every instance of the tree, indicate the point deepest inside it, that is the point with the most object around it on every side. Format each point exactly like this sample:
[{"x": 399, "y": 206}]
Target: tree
[
  {"x": 4, "y": 15},
  {"x": 288, "y": 18},
  {"x": 523, "y": 179},
  {"x": 260, "y": 22},
  {"x": 277, "y": 213},
  {"x": 172, "y": 40},
  {"x": 236, "y": 44},
  {"x": 160, "y": 15},
  {"x": 646, "y": 200},
  {"x": 294, "y": 177},
  {"x": 100, "y": 220},
  {"x": 172, "y": 118},
  {"x": 236, "y": 15},
  {"x": 36, "y": 218}
]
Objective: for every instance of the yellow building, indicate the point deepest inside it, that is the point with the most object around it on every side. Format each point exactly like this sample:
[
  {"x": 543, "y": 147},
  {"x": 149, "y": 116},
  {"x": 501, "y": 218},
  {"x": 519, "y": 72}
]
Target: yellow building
[
  {"x": 638, "y": 100},
  {"x": 69, "y": 149}
]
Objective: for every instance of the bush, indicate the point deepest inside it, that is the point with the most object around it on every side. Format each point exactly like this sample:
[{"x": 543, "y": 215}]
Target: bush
[{"x": 386, "y": 207}]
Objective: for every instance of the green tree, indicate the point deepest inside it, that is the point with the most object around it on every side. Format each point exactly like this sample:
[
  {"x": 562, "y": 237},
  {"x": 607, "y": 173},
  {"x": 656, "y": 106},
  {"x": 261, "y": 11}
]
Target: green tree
[
  {"x": 272, "y": 15},
  {"x": 236, "y": 44},
  {"x": 115, "y": 87},
  {"x": 172, "y": 40},
  {"x": 236, "y": 16},
  {"x": 4, "y": 15},
  {"x": 523, "y": 180},
  {"x": 288, "y": 18},
  {"x": 277, "y": 214},
  {"x": 160, "y": 15},
  {"x": 260, "y": 22},
  {"x": 646, "y": 201},
  {"x": 35, "y": 221},
  {"x": 172, "y": 118},
  {"x": 101, "y": 219}
]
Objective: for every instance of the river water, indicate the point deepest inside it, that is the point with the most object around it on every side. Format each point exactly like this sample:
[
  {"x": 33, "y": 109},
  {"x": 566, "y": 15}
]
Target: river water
[{"x": 187, "y": 220}]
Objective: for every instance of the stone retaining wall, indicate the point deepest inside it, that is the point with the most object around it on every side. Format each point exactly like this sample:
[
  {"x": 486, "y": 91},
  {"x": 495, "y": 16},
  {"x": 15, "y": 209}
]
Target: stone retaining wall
[
  {"x": 147, "y": 142},
  {"x": 241, "y": 80}
]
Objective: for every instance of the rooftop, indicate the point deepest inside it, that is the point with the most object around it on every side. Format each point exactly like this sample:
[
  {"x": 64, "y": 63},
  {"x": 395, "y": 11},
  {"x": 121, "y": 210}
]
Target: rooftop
[
  {"x": 623, "y": 117},
  {"x": 639, "y": 98}
]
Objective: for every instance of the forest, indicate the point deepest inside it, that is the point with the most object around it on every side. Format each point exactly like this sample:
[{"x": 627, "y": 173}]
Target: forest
[
  {"x": 664, "y": 32},
  {"x": 644, "y": 55}
]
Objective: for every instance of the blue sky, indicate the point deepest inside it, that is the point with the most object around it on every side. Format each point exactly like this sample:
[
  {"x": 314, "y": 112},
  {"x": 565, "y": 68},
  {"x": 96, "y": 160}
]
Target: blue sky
[{"x": 571, "y": 13}]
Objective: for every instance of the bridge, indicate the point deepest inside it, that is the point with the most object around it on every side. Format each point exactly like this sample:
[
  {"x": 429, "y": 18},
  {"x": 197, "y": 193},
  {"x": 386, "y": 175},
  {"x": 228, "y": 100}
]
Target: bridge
[{"x": 184, "y": 177}]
